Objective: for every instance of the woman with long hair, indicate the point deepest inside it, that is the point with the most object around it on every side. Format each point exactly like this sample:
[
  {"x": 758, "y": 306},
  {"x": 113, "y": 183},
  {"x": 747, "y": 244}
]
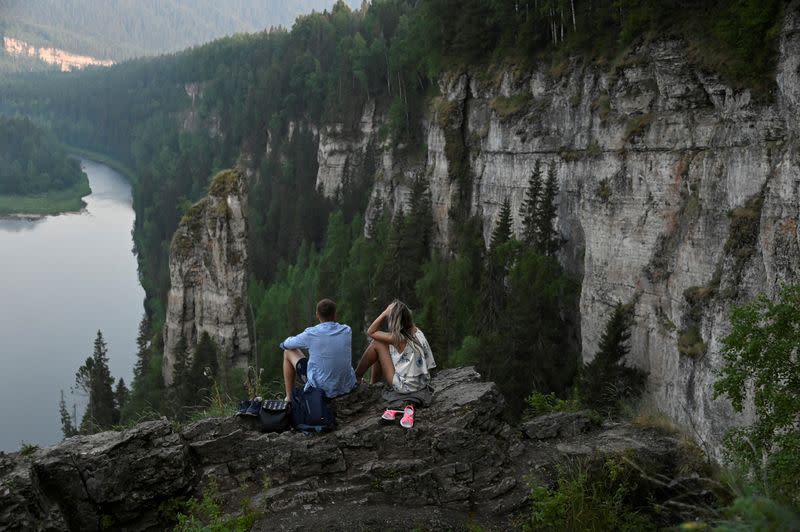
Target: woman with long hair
[{"x": 402, "y": 356}]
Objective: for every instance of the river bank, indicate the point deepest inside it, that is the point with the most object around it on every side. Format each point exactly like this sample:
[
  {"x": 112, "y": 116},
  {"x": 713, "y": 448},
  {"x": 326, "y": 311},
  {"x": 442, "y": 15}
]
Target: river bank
[{"x": 54, "y": 202}]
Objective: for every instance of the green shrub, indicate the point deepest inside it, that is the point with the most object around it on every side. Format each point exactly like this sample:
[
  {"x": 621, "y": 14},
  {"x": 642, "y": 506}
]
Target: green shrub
[
  {"x": 760, "y": 362},
  {"x": 541, "y": 404},
  {"x": 509, "y": 106},
  {"x": 206, "y": 514},
  {"x": 757, "y": 512},
  {"x": 592, "y": 496}
]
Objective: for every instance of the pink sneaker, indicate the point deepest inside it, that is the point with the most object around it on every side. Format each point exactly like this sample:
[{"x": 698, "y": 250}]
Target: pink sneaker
[
  {"x": 408, "y": 417},
  {"x": 390, "y": 416}
]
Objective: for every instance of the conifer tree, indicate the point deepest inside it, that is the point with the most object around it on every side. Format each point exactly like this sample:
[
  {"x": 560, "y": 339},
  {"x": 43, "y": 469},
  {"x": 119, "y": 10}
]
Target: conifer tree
[
  {"x": 606, "y": 380},
  {"x": 67, "y": 424},
  {"x": 530, "y": 206},
  {"x": 493, "y": 289},
  {"x": 94, "y": 379},
  {"x": 121, "y": 395},
  {"x": 502, "y": 230},
  {"x": 142, "y": 349},
  {"x": 547, "y": 240},
  {"x": 181, "y": 380}
]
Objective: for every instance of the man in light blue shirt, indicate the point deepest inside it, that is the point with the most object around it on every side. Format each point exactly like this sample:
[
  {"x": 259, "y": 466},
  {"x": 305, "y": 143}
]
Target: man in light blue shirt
[{"x": 329, "y": 364}]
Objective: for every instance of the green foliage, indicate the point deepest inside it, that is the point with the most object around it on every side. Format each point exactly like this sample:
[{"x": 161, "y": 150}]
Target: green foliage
[
  {"x": 759, "y": 358},
  {"x": 27, "y": 449},
  {"x": 592, "y": 497},
  {"x": 53, "y": 202},
  {"x": 466, "y": 355},
  {"x": 503, "y": 230},
  {"x": 128, "y": 29},
  {"x": 508, "y": 107},
  {"x": 32, "y": 162},
  {"x": 94, "y": 379},
  {"x": 540, "y": 403},
  {"x": 67, "y": 423},
  {"x": 530, "y": 206},
  {"x": 606, "y": 381},
  {"x": 758, "y": 513},
  {"x": 547, "y": 239},
  {"x": 224, "y": 183},
  {"x": 207, "y": 514}
]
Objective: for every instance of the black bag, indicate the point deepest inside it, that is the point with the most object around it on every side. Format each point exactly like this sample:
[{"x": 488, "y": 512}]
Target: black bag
[
  {"x": 275, "y": 416},
  {"x": 311, "y": 411}
]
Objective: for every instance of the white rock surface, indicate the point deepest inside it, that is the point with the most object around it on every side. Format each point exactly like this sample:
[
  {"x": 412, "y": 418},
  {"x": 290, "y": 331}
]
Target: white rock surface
[
  {"x": 208, "y": 277},
  {"x": 675, "y": 149}
]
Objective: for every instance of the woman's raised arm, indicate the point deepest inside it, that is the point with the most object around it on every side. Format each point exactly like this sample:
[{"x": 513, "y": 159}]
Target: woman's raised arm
[{"x": 374, "y": 331}]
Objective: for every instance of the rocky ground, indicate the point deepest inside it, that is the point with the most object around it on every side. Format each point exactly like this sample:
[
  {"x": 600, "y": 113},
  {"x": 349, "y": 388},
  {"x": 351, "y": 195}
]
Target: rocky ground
[{"x": 461, "y": 464}]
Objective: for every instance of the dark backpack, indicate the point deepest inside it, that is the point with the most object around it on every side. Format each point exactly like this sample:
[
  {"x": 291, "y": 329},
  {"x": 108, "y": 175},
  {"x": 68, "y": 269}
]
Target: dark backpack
[
  {"x": 311, "y": 411},
  {"x": 275, "y": 416}
]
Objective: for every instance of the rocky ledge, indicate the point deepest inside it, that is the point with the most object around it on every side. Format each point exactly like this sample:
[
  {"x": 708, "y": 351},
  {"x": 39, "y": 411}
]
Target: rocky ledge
[{"x": 461, "y": 463}]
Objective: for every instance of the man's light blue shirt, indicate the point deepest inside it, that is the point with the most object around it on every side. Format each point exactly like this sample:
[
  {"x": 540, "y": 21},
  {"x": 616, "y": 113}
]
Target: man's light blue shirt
[{"x": 329, "y": 346}]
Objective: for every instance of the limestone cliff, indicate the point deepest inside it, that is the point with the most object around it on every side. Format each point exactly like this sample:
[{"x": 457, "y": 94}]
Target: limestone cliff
[
  {"x": 677, "y": 191},
  {"x": 208, "y": 275},
  {"x": 461, "y": 464}
]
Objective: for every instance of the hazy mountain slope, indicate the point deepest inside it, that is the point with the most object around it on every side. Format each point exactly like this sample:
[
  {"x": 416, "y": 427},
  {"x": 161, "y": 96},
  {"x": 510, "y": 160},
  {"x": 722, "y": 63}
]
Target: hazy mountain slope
[{"x": 121, "y": 29}]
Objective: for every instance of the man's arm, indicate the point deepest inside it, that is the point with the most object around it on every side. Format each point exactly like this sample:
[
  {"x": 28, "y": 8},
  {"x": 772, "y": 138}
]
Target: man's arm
[{"x": 296, "y": 342}]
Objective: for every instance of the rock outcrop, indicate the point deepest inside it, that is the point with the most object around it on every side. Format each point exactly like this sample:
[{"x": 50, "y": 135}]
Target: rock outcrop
[
  {"x": 208, "y": 276},
  {"x": 678, "y": 192},
  {"x": 461, "y": 463}
]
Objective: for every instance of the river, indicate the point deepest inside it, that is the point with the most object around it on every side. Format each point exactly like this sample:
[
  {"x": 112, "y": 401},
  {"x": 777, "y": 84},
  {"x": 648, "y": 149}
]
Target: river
[{"x": 61, "y": 279}]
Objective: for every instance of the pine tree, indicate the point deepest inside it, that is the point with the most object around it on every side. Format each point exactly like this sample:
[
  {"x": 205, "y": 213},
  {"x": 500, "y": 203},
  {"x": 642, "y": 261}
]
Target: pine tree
[
  {"x": 547, "y": 241},
  {"x": 67, "y": 425},
  {"x": 502, "y": 231},
  {"x": 121, "y": 395},
  {"x": 606, "y": 380},
  {"x": 142, "y": 349},
  {"x": 181, "y": 380},
  {"x": 530, "y": 206},
  {"x": 94, "y": 379}
]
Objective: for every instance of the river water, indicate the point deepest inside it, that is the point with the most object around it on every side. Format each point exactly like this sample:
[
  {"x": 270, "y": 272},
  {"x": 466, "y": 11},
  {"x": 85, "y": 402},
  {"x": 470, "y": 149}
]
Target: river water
[{"x": 61, "y": 279}]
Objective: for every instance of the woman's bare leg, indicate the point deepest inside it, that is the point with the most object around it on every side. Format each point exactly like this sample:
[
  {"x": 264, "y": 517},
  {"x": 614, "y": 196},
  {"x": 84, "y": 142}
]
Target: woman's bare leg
[
  {"x": 377, "y": 357},
  {"x": 385, "y": 361},
  {"x": 369, "y": 358}
]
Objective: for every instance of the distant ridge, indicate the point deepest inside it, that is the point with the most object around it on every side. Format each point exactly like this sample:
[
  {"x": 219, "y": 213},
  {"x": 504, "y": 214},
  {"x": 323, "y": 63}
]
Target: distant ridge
[{"x": 123, "y": 29}]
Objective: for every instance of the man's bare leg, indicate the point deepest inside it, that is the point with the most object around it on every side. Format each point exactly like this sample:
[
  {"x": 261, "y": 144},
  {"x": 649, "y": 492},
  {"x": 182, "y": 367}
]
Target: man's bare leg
[{"x": 290, "y": 358}]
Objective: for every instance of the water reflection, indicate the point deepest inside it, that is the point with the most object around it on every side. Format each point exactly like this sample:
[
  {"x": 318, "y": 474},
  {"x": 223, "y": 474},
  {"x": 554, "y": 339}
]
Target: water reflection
[{"x": 61, "y": 279}]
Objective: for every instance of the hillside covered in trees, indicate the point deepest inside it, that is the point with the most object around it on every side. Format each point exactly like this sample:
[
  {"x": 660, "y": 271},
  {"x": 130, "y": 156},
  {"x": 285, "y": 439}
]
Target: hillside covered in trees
[{"x": 124, "y": 29}]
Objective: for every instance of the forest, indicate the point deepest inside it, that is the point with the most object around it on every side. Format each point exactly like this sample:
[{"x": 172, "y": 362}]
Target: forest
[{"x": 32, "y": 161}]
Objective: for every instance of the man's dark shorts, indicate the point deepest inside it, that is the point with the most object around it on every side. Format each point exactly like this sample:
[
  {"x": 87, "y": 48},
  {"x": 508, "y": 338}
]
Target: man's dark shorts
[{"x": 301, "y": 368}]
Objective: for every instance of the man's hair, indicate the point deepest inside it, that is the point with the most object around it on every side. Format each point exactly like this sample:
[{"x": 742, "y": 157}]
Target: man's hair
[{"x": 326, "y": 309}]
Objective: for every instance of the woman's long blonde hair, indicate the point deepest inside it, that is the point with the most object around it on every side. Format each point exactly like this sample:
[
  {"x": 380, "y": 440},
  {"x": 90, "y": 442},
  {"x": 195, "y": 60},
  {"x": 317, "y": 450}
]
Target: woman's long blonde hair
[{"x": 401, "y": 322}]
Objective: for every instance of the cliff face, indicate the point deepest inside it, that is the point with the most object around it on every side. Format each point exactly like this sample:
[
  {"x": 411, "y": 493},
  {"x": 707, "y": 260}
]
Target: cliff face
[
  {"x": 677, "y": 192},
  {"x": 208, "y": 275}
]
